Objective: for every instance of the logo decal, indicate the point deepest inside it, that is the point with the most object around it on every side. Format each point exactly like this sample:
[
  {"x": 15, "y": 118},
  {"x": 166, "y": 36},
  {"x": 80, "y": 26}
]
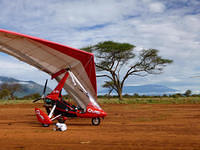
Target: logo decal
[{"x": 93, "y": 111}]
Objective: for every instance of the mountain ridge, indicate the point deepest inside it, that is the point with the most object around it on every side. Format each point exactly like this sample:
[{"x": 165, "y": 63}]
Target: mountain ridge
[
  {"x": 31, "y": 87},
  {"x": 146, "y": 89},
  {"x": 27, "y": 87}
]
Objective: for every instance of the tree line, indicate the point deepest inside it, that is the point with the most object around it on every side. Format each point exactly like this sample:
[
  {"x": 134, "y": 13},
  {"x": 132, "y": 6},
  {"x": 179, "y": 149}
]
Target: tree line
[
  {"x": 7, "y": 90},
  {"x": 187, "y": 93}
]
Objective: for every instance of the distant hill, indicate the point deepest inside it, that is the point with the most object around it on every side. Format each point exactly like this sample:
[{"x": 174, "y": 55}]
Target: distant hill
[
  {"x": 28, "y": 87},
  {"x": 31, "y": 87},
  {"x": 149, "y": 89}
]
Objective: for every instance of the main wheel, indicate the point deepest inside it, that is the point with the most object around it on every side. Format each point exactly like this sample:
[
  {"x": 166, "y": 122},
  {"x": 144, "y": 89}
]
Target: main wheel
[{"x": 96, "y": 121}]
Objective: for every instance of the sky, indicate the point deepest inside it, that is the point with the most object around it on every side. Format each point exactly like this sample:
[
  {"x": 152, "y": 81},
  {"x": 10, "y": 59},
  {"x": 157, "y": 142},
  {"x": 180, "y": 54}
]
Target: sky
[{"x": 171, "y": 26}]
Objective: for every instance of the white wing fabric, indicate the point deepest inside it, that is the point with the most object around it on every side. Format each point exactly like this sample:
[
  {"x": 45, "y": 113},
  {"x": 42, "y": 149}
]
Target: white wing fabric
[{"x": 52, "y": 57}]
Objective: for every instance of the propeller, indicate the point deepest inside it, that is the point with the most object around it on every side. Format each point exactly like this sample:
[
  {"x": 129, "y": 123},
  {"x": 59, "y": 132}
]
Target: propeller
[{"x": 43, "y": 93}]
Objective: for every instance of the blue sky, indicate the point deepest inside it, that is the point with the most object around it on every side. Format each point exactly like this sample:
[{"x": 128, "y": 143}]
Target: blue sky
[{"x": 171, "y": 26}]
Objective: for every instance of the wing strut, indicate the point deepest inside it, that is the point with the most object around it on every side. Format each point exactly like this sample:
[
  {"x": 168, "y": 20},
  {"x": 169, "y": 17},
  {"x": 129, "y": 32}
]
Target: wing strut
[{"x": 75, "y": 80}]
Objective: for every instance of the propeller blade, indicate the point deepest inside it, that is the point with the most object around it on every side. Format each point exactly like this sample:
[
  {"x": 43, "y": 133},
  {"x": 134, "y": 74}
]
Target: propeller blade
[
  {"x": 45, "y": 86},
  {"x": 37, "y": 100},
  {"x": 43, "y": 94}
]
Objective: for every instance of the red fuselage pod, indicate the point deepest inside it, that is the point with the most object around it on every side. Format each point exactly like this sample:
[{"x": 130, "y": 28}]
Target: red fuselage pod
[{"x": 92, "y": 112}]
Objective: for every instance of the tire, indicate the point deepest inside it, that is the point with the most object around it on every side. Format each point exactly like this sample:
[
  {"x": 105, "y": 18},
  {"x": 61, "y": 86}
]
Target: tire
[
  {"x": 45, "y": 125},
  {"x": 96, "y": 121}
]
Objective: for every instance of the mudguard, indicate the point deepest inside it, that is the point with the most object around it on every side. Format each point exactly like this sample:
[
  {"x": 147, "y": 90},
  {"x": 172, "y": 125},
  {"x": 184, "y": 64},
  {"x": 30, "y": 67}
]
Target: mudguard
[{"x": 42, "y": 117}]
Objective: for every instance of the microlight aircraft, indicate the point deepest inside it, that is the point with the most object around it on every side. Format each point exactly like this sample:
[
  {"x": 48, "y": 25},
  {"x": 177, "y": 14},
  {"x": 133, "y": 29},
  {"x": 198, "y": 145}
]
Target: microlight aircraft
[{"x": 73, "y": 69}]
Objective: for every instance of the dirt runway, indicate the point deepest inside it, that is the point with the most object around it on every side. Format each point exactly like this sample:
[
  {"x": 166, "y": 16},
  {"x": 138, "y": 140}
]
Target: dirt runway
[{"x": 132, "y": 126}]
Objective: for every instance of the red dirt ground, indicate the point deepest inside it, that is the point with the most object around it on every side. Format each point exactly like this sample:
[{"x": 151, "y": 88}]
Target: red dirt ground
[{"x": 132, "y": 126}]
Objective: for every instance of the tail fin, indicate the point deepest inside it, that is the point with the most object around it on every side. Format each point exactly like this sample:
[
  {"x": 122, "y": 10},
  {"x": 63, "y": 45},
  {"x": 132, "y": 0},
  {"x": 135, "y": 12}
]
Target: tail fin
[{"x": 42, "y": 117}]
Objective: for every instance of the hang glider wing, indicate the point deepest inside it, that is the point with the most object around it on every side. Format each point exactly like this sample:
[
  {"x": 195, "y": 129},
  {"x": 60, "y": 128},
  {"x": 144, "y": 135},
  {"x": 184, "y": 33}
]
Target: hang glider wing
[{"x": 52, "y": 58}]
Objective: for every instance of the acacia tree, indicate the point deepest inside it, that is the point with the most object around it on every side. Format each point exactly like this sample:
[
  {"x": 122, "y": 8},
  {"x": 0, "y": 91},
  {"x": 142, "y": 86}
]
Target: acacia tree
[
  {"x": 117, "y": 62},
  {"x": 187, "y": 93}
]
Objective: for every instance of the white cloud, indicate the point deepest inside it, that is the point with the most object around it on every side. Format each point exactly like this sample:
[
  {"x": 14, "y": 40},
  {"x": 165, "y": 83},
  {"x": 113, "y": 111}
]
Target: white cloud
[{"x": 157, "y": 7}]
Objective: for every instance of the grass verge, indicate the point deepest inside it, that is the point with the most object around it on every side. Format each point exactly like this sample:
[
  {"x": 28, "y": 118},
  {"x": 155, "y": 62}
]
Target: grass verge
[
  {"x": 5, "y": 102},
  {"x": 162, "y": 100}
]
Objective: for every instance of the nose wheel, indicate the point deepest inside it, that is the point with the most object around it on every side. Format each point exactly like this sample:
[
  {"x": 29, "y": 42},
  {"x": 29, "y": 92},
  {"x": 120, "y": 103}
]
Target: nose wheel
[{"x": 96, "y": 121}]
